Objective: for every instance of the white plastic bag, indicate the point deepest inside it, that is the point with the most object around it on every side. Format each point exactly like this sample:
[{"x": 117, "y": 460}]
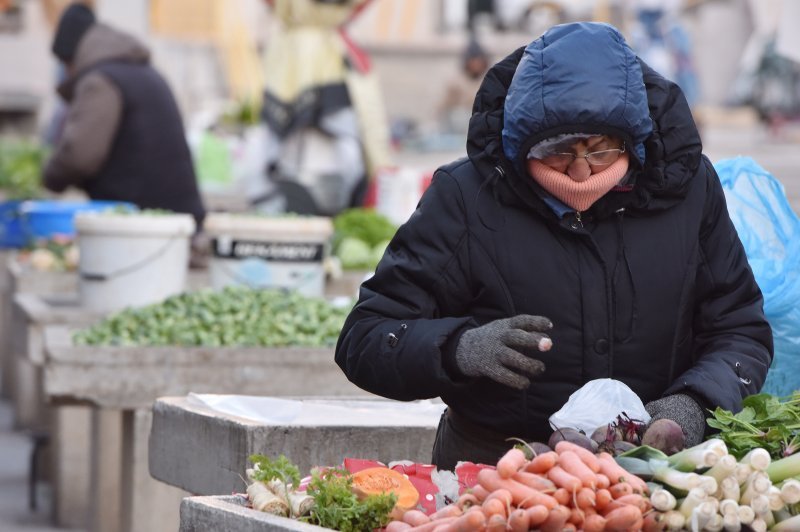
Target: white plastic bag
[{"x": 598, "y": 403}]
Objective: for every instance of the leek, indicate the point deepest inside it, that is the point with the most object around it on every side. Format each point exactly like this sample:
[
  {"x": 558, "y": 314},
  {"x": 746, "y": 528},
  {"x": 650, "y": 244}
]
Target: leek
[
  {"x": 788, "y": 525},
  {"x": 784, "y": 468}
]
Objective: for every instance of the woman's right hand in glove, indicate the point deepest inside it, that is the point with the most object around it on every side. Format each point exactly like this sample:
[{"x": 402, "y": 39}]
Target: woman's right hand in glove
[{"x": 494, "y": 350}]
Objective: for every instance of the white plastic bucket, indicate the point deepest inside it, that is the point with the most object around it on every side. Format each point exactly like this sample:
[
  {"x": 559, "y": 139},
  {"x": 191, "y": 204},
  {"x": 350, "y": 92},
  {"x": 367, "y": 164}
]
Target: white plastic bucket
[
  {"x": 130, "y": 260},
  {"x": 264, "y": 252}
]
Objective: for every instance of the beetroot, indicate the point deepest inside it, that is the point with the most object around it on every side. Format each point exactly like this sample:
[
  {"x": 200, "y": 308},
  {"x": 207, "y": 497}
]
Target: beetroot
[
  {"x": 664, "y": 435},
  {"x": 620, "y": 446},
  {"x": 538, "y": 448},
  {"x": 573, "y": 436}
]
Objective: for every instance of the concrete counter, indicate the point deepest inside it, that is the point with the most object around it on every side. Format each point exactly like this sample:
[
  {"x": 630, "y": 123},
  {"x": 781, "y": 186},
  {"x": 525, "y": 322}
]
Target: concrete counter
[
  {"x": 121, "y": 384},
  {"x": 228, "y": 512},
  {"x": 205, "y": 452},
  {"x": 133, "y": 377}
]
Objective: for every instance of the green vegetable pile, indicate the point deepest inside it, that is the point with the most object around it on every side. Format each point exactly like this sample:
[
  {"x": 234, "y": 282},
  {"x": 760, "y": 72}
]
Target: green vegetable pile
[
  {"x": 765, "y": 420},
  {"x": 337, "y": 506},
  {"x": 234, "y": 316},
  {"x": 21, "y": 165},
  {"x": 335, "y": 503},
  {"x": 360, "y": 238}
]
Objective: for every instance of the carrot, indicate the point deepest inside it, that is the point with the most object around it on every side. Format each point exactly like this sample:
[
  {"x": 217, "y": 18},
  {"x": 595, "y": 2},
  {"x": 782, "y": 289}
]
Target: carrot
[
  {"x": 496, "y": 523},
  {"x": 585, "y": 498},
  {"x": 616, "y": 473},
  {"x": 594, "y": 523},
  {"x": 471, "y": 521},
  {"x": 634, "y": 499},
  {"x": 535, "y": 481},
  {"x": 480, "y": 492},
  {"x": 620, "y": 489},
  {"x": 654, "y": 523},
  {"x": 562, "y": 479},
  {"x": 541, "y": 462},
  {"x": 602, "y": 481},
  {"x": 397, "y": 526},
  {"x": 601, "y": 499},
  {"x": 511, "y": 462},
  {"x": 562, "y": 496},
  {"x": 537, "y": 515},
  {"x": 572, "y": 464},
  {"x": 576, "y": 517},
  {"x": 586, "y": 456},
  {"x": 466, "y": 499},
  {"x": 415, "y": 517},
  {"x": 556, "y": 520},
  {"x": 428, "y": 527},
  {"x": 623, "y": 519},
  {"x": 451, "y": 510},
  {"x": 518, "y": 520},
  {"x": 521, "y": 495},
  {"x": 494, "y": 507},
  {"x": 503, "y": 495}
]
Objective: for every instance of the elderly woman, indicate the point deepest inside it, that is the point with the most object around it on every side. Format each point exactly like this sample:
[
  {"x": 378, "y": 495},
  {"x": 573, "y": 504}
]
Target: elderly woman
[{"x": 585, "y": 236}]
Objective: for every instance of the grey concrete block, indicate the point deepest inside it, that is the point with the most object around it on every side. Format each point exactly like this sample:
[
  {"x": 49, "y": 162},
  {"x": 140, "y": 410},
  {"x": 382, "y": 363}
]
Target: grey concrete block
[
  {"x": 133, "y": 377},
  {"x": 214, "y": 514},
  {"x": 206, "y": 453}
]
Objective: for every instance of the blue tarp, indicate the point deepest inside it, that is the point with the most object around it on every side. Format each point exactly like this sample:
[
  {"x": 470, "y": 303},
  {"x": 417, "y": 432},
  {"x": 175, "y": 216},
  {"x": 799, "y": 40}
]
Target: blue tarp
[{"x": 770, "y": 232}]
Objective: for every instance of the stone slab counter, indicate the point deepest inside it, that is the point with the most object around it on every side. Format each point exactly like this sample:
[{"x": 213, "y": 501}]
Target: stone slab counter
[
  {"x": 205, "y": 451},
  {"x": 133, "y": 377},
  {"x": 212, "y": 514},
  {"x": 33, "y": 312}
]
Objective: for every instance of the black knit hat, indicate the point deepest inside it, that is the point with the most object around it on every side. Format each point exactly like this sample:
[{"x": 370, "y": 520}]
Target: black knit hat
[{"x": 75, "y": 20}]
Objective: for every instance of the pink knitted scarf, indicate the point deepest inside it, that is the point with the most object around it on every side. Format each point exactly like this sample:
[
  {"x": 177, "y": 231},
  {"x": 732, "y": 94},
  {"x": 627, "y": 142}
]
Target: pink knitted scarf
[{"x": 579, "y": 195}]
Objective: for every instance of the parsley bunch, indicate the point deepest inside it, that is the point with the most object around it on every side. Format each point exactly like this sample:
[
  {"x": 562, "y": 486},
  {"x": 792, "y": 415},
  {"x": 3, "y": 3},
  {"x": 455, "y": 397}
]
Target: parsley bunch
[
  {"x": 338, "y": 508},
  {"x": 765, "y": 421},
  {"x": 280, "y": 468}
]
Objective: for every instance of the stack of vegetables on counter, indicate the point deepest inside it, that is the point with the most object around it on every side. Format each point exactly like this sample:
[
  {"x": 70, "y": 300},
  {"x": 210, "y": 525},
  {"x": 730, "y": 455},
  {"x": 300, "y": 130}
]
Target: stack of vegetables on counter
[
  {"x": 746, "y": 477},
  {"x": 21, "y": 163},
  {"x": 360, "y": 238},
  {"x": 56, "y": 254},
  {"x": 233, "y": 316},
  {"x": 333, "y": 498}
]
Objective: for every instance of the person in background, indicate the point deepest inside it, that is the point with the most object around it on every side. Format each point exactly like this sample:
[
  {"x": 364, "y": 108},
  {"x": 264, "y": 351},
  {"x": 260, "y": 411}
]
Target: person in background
[
  {"x": 585, "y": 236},
  {"x": 456, "y": 105},
  {"x": 122, "y": 137}
]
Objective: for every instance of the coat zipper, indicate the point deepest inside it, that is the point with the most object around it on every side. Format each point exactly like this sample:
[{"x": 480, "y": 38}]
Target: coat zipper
[
  {"x": 393, "y": 338},
  {"x": 578, "y": 223}
]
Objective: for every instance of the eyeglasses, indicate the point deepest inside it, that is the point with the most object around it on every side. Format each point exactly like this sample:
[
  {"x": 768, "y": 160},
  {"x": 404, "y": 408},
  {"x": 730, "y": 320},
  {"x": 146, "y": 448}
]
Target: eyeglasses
[{"x": 595, "y": 158}]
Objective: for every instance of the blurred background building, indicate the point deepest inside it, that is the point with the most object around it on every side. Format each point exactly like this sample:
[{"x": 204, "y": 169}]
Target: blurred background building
[
  {"x": 210, "y": 49},
  {"x": 736, "y": 60}
]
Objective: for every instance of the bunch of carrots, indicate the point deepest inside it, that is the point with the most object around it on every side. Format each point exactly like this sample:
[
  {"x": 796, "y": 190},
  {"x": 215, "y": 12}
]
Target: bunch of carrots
[{"x": 569, "y": 488}]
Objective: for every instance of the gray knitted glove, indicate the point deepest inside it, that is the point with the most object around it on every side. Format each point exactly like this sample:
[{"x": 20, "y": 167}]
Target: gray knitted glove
[
  {"x": 493, "y": 350},
  {"x": 684, "y": 411}
]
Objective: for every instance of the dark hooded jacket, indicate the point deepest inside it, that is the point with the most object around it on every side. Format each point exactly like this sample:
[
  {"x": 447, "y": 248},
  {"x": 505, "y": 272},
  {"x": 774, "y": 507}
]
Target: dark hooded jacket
[
  {"x": 650, "y": 286},
  {"x": 123, "y": 137}
]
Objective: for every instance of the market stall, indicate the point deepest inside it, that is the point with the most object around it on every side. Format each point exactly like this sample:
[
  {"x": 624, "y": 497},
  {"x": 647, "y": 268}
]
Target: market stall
[
  {"x": 191, "y": 441},
  {"x": 121, "y": 383}
]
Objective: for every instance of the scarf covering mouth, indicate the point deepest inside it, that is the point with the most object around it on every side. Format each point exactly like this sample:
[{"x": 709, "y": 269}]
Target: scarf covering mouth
[{"x": 580, "y": 195}]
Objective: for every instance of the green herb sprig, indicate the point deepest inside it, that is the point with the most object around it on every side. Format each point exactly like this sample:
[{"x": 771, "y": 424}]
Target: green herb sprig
[
  {"x": 281, "y": 468},
  {"x": 338, "y": 508}
]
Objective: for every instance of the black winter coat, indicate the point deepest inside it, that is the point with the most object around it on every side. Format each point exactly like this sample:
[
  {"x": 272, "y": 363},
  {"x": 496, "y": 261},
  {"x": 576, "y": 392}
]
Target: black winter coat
[{"x": 651, "y": 286}]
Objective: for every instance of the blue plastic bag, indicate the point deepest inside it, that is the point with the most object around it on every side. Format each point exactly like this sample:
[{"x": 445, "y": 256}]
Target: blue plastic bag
[{"x": 770, "y": 232}]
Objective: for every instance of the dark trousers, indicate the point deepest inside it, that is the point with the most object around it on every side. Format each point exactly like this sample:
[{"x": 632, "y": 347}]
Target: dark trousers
[{"x": 458, "y": 439}]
